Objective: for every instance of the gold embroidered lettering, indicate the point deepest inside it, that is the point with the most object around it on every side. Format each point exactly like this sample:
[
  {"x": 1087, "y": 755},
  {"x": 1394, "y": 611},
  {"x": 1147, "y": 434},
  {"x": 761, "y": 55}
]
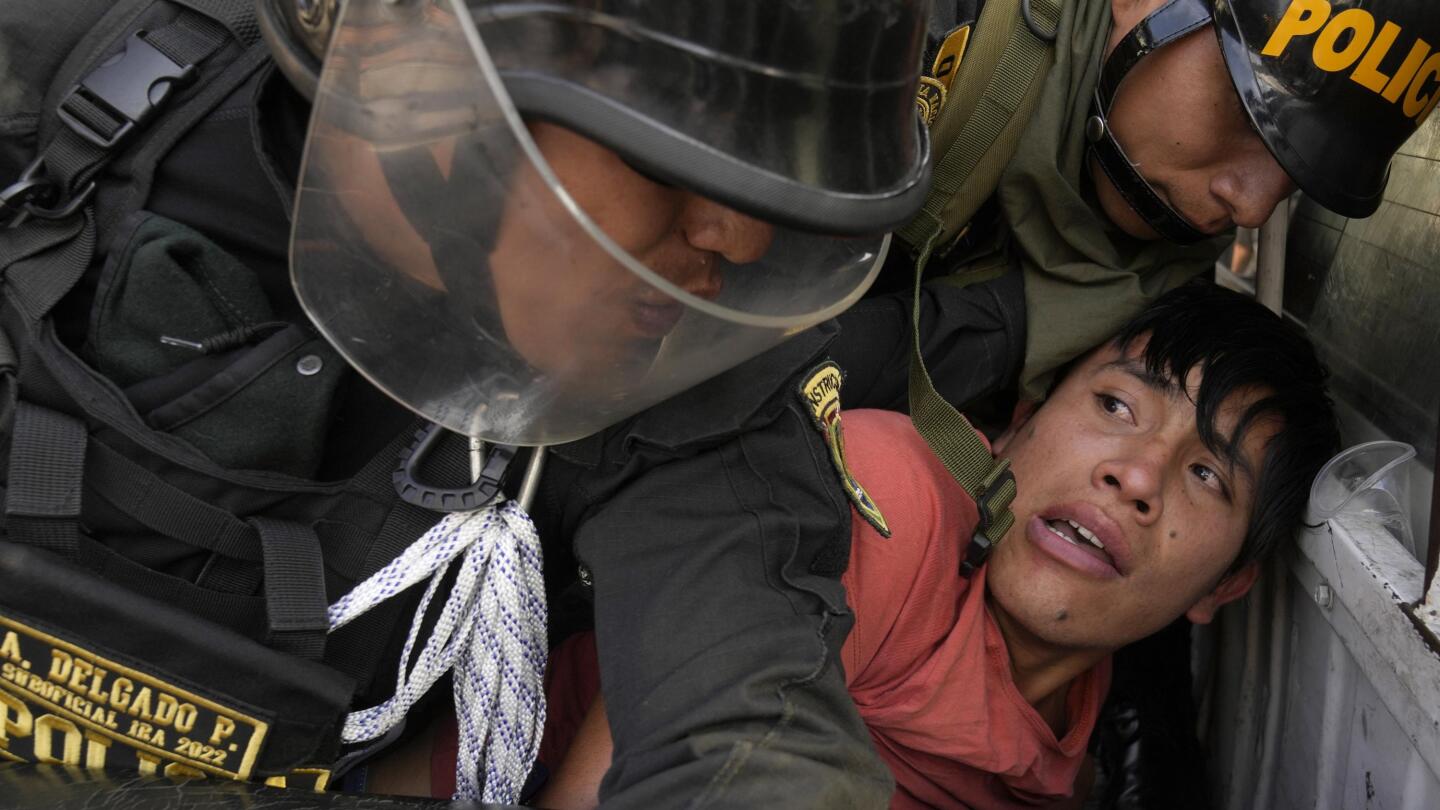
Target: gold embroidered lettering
[
  {"x": 120, "y": 692},
  {"x": 179, "y": 770},
  {"x": 165, "y": 706},
  {"x": 148, "y": 762},
  {"x": 60, "y": 663},
  {"x": 185, "y": 716},
  {"x": 15, "y": 718},
  {"x": 97, "y": 746},
  {"x": 224, "y": 727},
  {"x": 10, "y": 647},
  {"x": 46, "y": 727},
  {"x": 141, "y": 704}
]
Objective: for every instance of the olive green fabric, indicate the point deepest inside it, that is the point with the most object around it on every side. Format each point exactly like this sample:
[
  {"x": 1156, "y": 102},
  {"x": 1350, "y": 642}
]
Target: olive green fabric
[
  {"x": 990, "y": 103},
  {"x": 997, "y": 88},
  {"x": 1083, "y": 277}
]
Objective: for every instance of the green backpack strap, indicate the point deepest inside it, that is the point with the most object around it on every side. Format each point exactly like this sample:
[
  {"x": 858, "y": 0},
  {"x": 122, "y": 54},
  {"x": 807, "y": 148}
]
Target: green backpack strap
[
  {"x": 987, "y": 480},
  {"x": 1003, "y": 73},
  {"x": 986, "y": 110}
]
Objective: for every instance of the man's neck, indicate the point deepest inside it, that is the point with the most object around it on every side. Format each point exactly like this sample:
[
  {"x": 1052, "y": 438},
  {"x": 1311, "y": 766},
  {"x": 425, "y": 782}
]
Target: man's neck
[{"x": 1042, "y": 671}]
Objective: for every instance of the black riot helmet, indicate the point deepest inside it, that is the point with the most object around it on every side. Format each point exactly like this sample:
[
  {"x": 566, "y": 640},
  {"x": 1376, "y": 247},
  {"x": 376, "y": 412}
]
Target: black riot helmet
[
  {"x": 796, "y": 112},
  {"x": 529, "y": 220},
  {"x": 1333, "y": 87}
]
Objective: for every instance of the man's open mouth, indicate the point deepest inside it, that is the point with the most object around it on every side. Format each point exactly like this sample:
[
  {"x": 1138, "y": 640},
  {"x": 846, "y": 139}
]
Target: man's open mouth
[{"x": 1082, "y": 538}]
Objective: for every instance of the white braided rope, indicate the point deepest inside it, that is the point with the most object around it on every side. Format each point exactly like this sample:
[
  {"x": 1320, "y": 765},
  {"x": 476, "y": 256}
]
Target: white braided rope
[{"x": 498, "y": 671}]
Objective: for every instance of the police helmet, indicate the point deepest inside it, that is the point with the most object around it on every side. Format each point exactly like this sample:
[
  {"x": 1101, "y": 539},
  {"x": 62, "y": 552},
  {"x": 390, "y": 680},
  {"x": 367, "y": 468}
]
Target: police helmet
[
  {"x": 795, "y": 112},
  {"x": 1333, "y": 87},
  {"x": 444, "y": 242}
]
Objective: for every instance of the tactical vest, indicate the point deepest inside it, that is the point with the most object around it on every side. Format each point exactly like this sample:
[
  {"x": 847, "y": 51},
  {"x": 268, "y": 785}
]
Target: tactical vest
[{"x": 162, "y": 602}]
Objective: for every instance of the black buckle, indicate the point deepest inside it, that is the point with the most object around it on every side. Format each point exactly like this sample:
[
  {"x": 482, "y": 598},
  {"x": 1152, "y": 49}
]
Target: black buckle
[
  {"x": 983, "y": 503},
  {"x": 32, "y": 187},
  {"x": 34, "y": 195},
  {"x": 130, "y": 86},
  {"x": 976, "y": 553},
  {"x": 981, "y": 543},
  {"x": 458, "y": 499}
]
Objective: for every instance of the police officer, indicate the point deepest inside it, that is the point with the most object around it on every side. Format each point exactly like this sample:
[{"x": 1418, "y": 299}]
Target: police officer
[
  {"x": 523, "y": 222},
  {"x": 693, "y": 154},
  {"x": 1159, "y": 125}
]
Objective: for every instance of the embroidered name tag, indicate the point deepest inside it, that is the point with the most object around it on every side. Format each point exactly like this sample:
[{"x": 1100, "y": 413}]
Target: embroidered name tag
[
  {"x": 64, "y": 705},
  {"x": 820, "y": 392}
]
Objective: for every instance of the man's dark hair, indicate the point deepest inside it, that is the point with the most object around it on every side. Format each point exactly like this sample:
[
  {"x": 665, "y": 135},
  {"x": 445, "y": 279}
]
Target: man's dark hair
[{"x": 1239, "y": 345}]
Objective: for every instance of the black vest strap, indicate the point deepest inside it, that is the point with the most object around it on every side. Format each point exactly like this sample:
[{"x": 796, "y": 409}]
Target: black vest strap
[
  {"x": 47, "y": 466},
  {"x": 109, "y": 105},
  {"x": 238, "y": 17},
  {"x": 167, "y": 509},
  {"x": 294, "y": 587},
  {"x": 45, "y": 260}
]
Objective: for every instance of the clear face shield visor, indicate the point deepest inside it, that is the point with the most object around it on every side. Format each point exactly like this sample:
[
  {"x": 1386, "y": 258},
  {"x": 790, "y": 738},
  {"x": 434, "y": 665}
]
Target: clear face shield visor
[{"x": 513, "y": 280}]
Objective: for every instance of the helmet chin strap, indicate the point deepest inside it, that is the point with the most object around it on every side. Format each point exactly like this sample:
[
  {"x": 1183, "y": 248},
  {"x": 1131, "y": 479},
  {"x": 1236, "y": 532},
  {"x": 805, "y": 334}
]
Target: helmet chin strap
[{"x": 1173, "y": 21}]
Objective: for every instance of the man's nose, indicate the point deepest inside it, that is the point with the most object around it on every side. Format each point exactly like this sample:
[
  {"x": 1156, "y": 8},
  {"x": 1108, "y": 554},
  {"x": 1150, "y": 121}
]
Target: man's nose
[
  {"x": 717, "y": 228},
  {"x": 1136, "y": 476},
  {"x": 1251, "y": 185}
]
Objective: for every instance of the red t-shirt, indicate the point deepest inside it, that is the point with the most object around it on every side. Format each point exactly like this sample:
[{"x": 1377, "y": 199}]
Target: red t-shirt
[{"x": 926, "y": 663}]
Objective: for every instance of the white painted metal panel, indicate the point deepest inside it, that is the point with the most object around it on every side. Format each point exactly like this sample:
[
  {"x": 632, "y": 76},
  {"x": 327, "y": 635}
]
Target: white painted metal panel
[{"x": 1359, "y": 715}]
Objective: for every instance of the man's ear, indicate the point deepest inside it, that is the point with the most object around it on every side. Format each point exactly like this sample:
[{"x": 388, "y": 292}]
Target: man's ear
[
  {"x": 1230, "y": 588},
  {"x": 1018, "y": 419}
]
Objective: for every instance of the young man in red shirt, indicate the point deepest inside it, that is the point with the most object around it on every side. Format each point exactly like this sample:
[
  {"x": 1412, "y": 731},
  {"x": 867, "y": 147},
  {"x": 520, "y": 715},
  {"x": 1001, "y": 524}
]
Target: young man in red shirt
[{"x": 1161, "y": 470}]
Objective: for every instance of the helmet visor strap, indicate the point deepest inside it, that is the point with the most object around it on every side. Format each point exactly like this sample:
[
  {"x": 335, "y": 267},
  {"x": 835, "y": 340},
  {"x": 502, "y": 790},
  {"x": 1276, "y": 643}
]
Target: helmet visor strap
[{"x": 1173, "y": 21}]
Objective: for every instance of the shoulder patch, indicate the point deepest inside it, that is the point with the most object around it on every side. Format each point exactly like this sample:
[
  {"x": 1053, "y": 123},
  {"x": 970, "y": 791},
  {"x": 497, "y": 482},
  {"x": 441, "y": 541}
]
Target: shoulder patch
[
  {"x": 819, "y": 392},
  {"x": 930, "y": 96},
  {"x": 950, "y": 55}
]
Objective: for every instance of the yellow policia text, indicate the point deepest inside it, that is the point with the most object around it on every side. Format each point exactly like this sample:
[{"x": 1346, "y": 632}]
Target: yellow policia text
[
  {"x": 1415, "y": 82},
  {"x": 64, "y": 705}
]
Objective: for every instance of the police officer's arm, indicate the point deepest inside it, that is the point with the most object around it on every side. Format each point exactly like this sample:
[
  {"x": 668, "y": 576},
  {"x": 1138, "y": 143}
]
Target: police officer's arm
[
  {"x": 719, "y": 619},
  {"x": 973, "y": 340}
]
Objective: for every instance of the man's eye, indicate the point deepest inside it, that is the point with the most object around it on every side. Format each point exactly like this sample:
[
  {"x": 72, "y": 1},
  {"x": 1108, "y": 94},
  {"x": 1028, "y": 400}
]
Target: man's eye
[
  {"x": 1113, "y": 406},
  {"x": 1210, "y": 478}
]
